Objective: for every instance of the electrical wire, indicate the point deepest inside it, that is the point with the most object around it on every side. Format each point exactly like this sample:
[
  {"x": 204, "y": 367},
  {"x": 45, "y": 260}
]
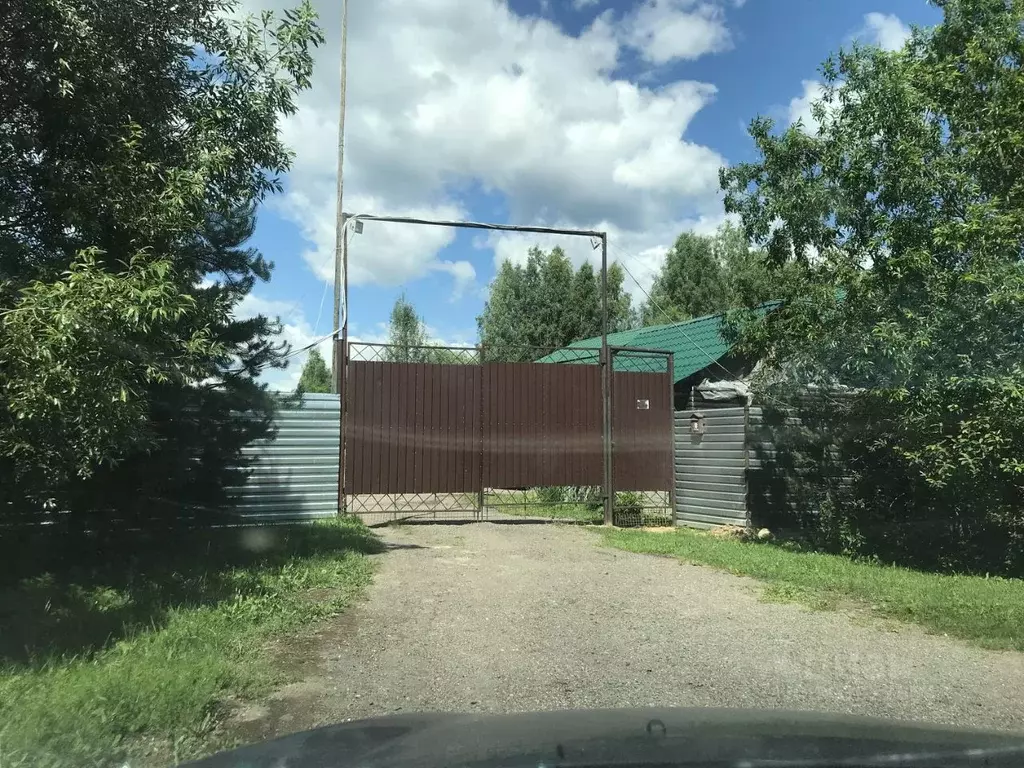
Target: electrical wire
[
  {"x": 681, "y": 327},
  {"x": 316, "y": 325},
  {"x": 327, "y": 285},
  {"x": 309, "y": 346},
  {"x": 319, "y": 314}
]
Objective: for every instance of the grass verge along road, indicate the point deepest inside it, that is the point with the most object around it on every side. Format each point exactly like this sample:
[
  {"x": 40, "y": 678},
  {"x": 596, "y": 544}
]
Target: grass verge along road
[
  {"x": 135, "y": 654},
  {"x": 986, "y": 611}
]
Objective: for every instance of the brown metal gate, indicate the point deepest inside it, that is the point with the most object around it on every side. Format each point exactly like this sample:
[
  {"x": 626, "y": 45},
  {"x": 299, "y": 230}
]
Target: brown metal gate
[
  {"x": 641, "y": 428},
  {"x": 454, "y": 440},
  {"x": 413, "y": 428},
  {"x": 541, "y": 425}
]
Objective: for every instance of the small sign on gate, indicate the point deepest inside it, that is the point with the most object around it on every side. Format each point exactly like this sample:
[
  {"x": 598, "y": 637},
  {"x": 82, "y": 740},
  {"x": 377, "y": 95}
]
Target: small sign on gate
[{"x": 643, "y": 405}]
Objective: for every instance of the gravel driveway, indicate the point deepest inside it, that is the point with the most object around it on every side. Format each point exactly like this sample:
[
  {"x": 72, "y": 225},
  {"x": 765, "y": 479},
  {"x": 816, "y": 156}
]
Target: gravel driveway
[{"x": 501, "y": 618}]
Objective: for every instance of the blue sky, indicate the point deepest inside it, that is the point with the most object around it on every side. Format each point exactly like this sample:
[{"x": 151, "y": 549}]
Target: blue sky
[{"x": 579, "y": 113}]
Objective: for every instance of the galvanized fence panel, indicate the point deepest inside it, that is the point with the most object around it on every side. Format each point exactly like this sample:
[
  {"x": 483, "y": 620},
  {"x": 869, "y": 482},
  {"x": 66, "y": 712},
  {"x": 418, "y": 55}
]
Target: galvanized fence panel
[
  {"x": 294, "y": 474},
  {"x": 711, "y": 467}
]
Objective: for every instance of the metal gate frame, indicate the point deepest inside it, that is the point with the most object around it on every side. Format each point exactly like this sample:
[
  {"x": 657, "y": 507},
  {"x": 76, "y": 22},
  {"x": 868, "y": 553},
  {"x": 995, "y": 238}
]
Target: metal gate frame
[
  {"x": 630, "y": 364},
  {"x": 339, "y": 357},
  {"x": 643, "y": 505}
]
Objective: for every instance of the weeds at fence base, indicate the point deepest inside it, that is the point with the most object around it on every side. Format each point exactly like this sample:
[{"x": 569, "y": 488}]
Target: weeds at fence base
[{"x": 633, "y": 509}]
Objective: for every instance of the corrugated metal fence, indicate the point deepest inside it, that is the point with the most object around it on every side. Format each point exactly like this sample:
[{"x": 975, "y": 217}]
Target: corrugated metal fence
[
  {"x": 711, "y": 467},
  {"x": 542, "y": 425},
  {"x": 417, "y": 428},
  {"x": 294, "y": 475}
]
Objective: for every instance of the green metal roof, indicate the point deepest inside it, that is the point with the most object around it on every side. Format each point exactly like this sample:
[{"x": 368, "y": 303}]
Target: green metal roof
[{"x": 696, "y": 344}]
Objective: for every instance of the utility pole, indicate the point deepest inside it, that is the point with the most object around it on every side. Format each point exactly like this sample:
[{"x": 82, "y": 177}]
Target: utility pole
[{"x": 340, "y": 255}]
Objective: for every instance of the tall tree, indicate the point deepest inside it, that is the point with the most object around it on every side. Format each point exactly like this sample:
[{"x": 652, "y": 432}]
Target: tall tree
[
  {"x": 136, "y": 140},
  {"x": 749, "y": 282},
  {"x": 542, "y": 305},
  {"x": 706, "y": 274},
  {"x": 584, "y": 308},
  {"x": 691, "y": 282},
  {"x": 554, "y": 292},
  {"x": 316, "y": 376},
  {"x": 621, "y": 314},
  {"x": 407, "y": 335},
  {"x": 909, "y": 198}
]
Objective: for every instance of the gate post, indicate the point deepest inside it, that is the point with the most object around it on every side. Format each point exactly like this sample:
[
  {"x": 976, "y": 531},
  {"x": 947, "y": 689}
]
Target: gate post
[
  {"x": 606, "y": 386},
  {"x": 480, "y": 395},
  {"x": 672, "y": 432},
  {"x": 606, "y": 392},
  {"x": 341, "y": 360}
]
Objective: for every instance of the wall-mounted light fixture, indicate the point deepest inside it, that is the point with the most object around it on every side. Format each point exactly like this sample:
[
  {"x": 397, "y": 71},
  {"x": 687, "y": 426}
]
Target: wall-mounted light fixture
[{"x": 697, "y": 425}]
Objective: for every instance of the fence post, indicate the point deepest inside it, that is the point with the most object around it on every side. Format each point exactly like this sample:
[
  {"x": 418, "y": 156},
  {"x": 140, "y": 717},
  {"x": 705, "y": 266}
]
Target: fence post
[
  {"x": 606, "y": 383},
  {"x": 608, "y": 367},
  {"x": 341, "y": 358},
  {"x": 746, "y": 463},
  {"x": 483, "y": 433},
  {"x": 672, "y": 433}
]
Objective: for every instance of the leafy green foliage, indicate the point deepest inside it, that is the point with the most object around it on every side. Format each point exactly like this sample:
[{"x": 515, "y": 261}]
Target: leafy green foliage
[
  {"x": 407, "y": 335},
  {"x": 542, "y": 306},
  {"x": 125, "y": 653},
  {"x": 408, "y": 341},
  {"x": 316, "y": 376},
  {"x": 904, "y": 217},
  {"x": 445, "y": 356},
  {"x": 690, "y": 284},
  {"x": 628, "y": 509},
  {"x": 749, "y": 281},
  {"x": 137, "y": 139},
  {"x": 78, "y": 356},
  {"x": 707, "y": 274}
]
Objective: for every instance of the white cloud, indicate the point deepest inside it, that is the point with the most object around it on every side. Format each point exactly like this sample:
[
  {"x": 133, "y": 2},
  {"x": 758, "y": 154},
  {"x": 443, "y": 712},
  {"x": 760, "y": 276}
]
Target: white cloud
[
  {"x": 299, "y": 332},
  {"x": 885, "y": 30},
  {"x": 442, "y": 93},
  {"x": 385, "y": 253},
  {"x": 463, "y": 273},
  {"x": 579, "y": 5},
  {"x": 669, "y": 30},
  {"x": 296, "y": 329},
  {"x": 642, "y": 253},
  {"x": 800, "y": 106}
]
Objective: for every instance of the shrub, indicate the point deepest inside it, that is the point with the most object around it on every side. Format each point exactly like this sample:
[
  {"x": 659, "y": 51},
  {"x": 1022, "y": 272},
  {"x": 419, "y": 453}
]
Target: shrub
[
  {"x": 628, "y": 509},
  {"x": 551, "y": 494}
]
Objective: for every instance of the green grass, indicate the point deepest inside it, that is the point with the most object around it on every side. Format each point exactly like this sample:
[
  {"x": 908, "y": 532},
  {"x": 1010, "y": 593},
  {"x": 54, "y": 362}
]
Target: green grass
[
  {"x": 986, "y": 611},
  {"x": 576, "y": 513},
  {"x": 134, "y": 654},
  {"x": 582, "y": 513}
]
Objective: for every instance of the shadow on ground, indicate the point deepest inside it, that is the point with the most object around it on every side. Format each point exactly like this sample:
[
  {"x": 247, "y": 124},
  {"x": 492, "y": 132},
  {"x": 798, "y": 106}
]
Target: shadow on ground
[
  {"x": 496, "y": 520},
  {"x": 75, "y": 595}
]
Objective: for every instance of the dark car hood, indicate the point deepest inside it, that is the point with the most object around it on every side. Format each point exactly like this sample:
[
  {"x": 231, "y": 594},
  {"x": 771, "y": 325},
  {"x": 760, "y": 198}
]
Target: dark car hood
[{"x": 659, "y": 737}]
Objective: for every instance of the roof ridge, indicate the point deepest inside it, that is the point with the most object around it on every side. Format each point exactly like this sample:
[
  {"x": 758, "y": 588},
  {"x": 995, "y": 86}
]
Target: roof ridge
[
  {"x": 695, "y": 343},
  {"x": 677, "y": 323}
]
